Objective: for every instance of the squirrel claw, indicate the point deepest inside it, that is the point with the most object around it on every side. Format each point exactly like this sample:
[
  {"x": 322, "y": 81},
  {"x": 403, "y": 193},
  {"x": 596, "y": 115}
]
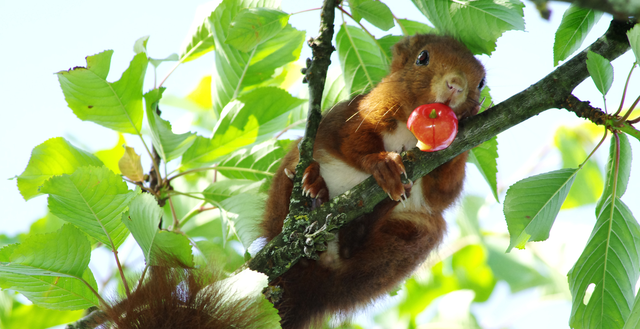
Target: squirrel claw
[{"x": 289, "y": 174}]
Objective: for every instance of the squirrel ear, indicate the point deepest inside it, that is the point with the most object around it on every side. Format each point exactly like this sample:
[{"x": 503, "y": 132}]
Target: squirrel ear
[{"x": 401, "y": 53}]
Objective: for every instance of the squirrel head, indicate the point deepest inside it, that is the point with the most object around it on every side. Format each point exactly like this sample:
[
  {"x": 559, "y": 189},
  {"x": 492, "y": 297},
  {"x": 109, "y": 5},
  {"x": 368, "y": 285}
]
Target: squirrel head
[{"x": 436, "y": 69}]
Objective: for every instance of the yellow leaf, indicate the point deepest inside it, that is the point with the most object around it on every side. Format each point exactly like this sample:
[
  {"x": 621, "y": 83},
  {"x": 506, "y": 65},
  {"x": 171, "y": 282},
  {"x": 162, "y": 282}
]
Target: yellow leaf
[
  {"x": 130, "y": 165},
  {"x": 202, "y": 94},
  {"x": 110, "y": 157}
]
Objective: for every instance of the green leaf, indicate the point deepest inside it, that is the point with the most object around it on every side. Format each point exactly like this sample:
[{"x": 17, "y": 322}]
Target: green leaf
[
  {"x": 56, "y": 156},
  {"x": 610, "y": 261},
  {"x": 32, "y": 316},
  {"x": 576, "y": 24},
  {"x": 486, "y": 99},
  {"x": 634, "y": 40},
  {"x": 484, "y": 156},
  {"x": 111, "y": 157},
  {"x": 244, "y": 211},
  {"x": 600, "y": 70},
  {"x": 46, "y": 268},
  {"x": 387, "y": 42},
  {"x": 140, "y": 46},
  {"x": 624, "y": 170},
  {"x": 231, "y": 64},
  {"x": 413, "y": 27},
  {"x": 478, "y": 24},
  {"x": 168, "y": 144},
  {"x": 633, "y": 321},
  {"x": 199, "y": 40},
  {"x": 247, "y": 120},
  {"x": 363, "y": 62},
  {"x": 532, "y": 204},
  {"x": 253, "y": 26},
  {"x": 92, "y": 199},
  {"x": 588, "y": 183},
  {"x": 334, "y": 91},
  {"x": 222, "y": 190},
  {"x": 116, "y": 105},
  {"x": 143, "y": 220},
  {"x": 256, "y": 163},
  {"x": 353, "y": 6},
  {"x": 376, "y": 13},
  {"x": 513, "y": 270}
]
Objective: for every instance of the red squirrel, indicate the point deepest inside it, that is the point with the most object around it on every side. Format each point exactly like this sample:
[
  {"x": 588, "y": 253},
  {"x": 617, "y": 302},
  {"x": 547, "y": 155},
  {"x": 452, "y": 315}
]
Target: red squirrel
[{"x": 364, "y": 137}]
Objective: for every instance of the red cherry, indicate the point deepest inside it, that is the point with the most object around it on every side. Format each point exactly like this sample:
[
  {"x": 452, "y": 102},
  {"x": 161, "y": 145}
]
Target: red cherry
[{"x": 435, "y": 125}]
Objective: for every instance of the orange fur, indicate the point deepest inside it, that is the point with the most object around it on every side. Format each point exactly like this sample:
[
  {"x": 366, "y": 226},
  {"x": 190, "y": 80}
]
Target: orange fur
[{"x": 362, "y": 137}]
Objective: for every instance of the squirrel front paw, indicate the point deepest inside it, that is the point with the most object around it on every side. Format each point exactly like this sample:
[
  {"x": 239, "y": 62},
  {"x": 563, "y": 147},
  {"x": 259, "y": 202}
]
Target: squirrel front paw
[
  {"x": 387, "y": 168},
  {"x": 313, "y": 185}
]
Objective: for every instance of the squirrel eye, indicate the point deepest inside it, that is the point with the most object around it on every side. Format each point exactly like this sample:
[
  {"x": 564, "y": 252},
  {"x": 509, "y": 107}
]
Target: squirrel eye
[
  {"x": 423, "y": 58},
  {"x": 481, "y": 84}
]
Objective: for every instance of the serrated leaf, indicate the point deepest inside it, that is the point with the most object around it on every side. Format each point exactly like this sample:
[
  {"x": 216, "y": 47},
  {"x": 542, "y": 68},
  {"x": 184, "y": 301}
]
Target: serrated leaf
[
  {"x": 588, "y": 183},
  {"x": 143, "y": 220},
  {"x": 112, "y": 156},
  {"x": 93, "y": 200},
  {"x": 130, "y": 165},
  {"x": 376, "y": 13},
  {"x": 413, "y": 27},
  {"x": 255, "y": 163},
  {"x": 231, "y": 65},
  {"x": 168, "y": 144},
  {"x": 56, "y": 156},
  {"x": 247, "y": 120},
  {"x": 244, "y": 211},
  {"x": 600, "y": 70},
  {"x": 634, "y": 40},
  {"x": 115, "y": 105},
  {"x": 46, "y": 268},
  {"x": 610, "y": 261},
  {"x": 484, "y": 156},
  {"x": 576, "y": 24},
  {"x": 532, "y": 204},
  {"x": 362, "y": 60},
  {"x": 199, "y": 40},
  {"x": 478, "y": 24},
  {"x": 220, "y": 191},
  {"x": 253, "y": 26},
  {"x": 624, "y": 170}
]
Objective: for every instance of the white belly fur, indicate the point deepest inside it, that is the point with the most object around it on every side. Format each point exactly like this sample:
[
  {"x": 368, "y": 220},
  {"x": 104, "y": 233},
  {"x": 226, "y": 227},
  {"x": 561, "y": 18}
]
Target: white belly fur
[{"x": 341, "y": 177}]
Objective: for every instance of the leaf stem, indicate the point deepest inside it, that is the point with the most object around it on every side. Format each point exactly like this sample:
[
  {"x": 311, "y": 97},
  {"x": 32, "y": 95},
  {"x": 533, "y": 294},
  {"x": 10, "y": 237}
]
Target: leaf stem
[
  {"x": 176, "y": 224},
  {"x": 304, "y": 11},
  {"x": 124, "y": 280},
  {"x": 624, "y": 92},
  {"x": 194, "y": 211},
  {"x": 595, "y": 149},
  {"x": 218, "y": 168},
  {"x": 633, "y": 106},
  {"x": 187, "y": 194}
]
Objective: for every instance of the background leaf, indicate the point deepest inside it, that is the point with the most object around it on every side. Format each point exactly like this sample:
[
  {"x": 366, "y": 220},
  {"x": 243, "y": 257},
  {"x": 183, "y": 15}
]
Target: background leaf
[
  {"x": 576, "y": 24},
  {"x": 414, "y": 27},
  {"x": 611, "y": 261},
  {"x": 199, "y": 40},
  {"x": 245, "y": 213},
  {"x": 255, "y": 163},
  {"x": 92, "y": 199},
  {"x": 532, "y": 204},
  {"x": 111, "y": 157},
  {"x": 253, "y": 26},
  {"x": 219, "y": 191},
  {"x": 56, "y": 156},
  {"x": 245, "y": 121},
  {"x": 573, "y": 143},
  {"x": 600, "y": 70},
  {"x": 116, "y": 105}
]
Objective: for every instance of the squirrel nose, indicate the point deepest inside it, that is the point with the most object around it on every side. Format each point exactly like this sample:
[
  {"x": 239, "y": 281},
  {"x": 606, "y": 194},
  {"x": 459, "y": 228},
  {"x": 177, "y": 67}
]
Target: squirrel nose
[{"x": 456, "y": 84}]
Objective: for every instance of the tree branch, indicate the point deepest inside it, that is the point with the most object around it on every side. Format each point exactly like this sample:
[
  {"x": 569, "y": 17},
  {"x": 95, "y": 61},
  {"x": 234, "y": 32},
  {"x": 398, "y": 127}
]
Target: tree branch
[{"x": 553, "y": 91}]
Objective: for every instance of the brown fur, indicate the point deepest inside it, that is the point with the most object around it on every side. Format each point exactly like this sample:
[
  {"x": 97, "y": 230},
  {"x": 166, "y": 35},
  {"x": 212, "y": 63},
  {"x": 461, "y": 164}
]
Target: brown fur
[
  {"x": 379, "y": 250},
  {"x": 175, "y": 298}
]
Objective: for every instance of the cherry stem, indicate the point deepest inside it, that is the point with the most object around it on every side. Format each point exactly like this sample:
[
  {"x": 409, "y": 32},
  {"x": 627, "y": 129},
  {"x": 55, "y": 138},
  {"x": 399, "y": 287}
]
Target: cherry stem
[{"x": 433, "y": 114}]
